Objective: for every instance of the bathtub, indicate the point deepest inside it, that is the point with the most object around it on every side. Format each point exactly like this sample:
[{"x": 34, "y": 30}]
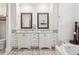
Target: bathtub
[
  {"x": 67, "y": 49},
  {"x": 2, "y": 43}
]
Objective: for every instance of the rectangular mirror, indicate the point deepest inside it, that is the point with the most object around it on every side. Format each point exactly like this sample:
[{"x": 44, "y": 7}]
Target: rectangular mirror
[
  {"x": 26, "y": 20},
  {"x": 43, "y": 20}
]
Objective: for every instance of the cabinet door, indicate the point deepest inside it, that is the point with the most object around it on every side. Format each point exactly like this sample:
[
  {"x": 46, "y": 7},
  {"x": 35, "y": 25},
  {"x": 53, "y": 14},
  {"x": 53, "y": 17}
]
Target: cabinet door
[
  {"x": 20, "y": 40},
  {"x": 24, "y": 40},
  {"x": 28, "y": 40},
  {"x": 35, "y": 40},
  {"x": 45, "y": 40}
]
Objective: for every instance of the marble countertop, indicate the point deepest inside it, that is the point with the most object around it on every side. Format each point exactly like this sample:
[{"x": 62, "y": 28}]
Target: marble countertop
[{"x": 33, "y": 31}]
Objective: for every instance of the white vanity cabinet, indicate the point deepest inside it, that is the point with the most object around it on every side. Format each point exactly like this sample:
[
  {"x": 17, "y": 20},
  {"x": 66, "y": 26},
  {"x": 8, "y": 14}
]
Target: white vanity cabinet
[
  {"x": 27, "y": 40},
  {"x": 20, "y": 39},
  {"x": 24, "y": 40},
  {"x": 35, "y": 41},
  {"x": 45, "y": 39},
  {"x": 41, "y": 39}
]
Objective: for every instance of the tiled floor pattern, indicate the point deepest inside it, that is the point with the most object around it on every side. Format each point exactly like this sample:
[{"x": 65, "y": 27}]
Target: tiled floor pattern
[{"x": 32, "y": 52}]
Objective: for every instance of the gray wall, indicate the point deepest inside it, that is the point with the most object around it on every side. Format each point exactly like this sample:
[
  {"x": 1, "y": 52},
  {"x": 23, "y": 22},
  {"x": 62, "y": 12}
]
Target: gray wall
[{"x": 66, "y": 21}]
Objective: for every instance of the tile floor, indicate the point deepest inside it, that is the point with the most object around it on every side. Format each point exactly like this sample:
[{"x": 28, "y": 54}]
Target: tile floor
[{"x": 32, "y": 52}]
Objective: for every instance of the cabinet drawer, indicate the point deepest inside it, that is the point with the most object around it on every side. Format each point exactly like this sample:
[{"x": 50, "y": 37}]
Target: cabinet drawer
[{"x": 45, "y": 36}]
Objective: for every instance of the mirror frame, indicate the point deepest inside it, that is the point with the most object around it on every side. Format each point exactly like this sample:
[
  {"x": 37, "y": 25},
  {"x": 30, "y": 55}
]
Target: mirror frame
[
  {"x": 30, "y": 27},
  {"x": 47, "y": 20}
]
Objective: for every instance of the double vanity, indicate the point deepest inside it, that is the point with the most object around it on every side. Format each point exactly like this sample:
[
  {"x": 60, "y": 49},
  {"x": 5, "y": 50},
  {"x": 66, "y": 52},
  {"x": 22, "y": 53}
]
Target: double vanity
[{"x": 35, "y": 39}]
